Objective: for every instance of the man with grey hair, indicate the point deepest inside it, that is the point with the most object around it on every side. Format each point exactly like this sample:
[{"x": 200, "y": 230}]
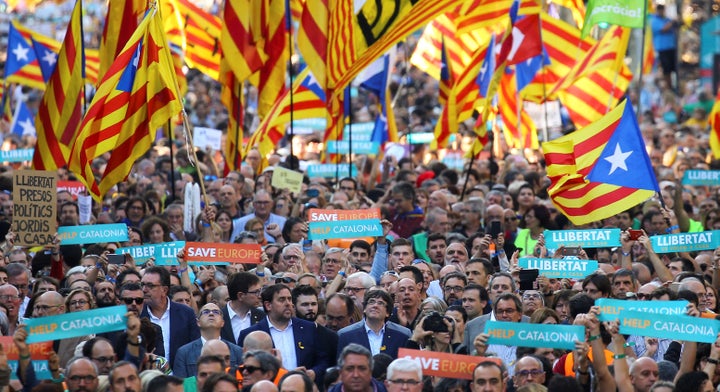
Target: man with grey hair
[
  {"x": 528, "y": 369},
  {"x": 356, "y": 364},
  {"x": 404, "y": 372},
  {"x": 263, "y": 204},
  {"x": 81, "y": 375},
  {"x": 332, "y": 263},
  {"x": 10, "y": 298},
  {"x": 123, "y": 377},
  {"x": 357, "y": 285},
  {"x": 292, "y": 256},
  {"x": 19, "y": 276}
]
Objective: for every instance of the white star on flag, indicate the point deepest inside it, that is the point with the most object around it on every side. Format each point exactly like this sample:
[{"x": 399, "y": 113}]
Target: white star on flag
[
  {"x": 50, "y": 58},
  {"x": 21, "y": 53},
  {"x": 27, "y": 127},
  {"x": 617, "y": 159}
]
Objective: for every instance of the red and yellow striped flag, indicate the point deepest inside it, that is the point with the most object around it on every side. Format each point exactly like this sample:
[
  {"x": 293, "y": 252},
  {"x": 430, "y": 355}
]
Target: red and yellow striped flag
[
  {"x": 137, "y": 96},
  {"x": 271, "y": 81},
  {"x": 520, "y": 132},
  {"x": 241, "y": 37},
  {"x": 232, "y": 95},
  {"x": 714, "y": 120},
  {"x": 202, "y": 34},
  {"x": 312, "y": 38},
  {"x": 121, "y": 20},
  {"x": 60, "y": 111}
]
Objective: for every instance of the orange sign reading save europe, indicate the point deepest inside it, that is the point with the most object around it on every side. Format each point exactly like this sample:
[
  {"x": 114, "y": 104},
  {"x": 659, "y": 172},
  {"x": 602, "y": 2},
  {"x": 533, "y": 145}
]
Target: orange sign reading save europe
[
  {"x": 217, "y": 252},
  {"x": 37, "y": 350},
  {"x": 444, "y": 364}
]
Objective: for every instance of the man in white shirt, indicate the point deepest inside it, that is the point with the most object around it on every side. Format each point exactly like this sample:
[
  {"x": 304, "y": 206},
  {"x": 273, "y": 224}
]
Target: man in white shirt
[{"x": 241, "y": 311}]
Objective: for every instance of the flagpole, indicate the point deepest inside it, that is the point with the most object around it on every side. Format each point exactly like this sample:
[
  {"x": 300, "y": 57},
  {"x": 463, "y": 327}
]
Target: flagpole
[
  {"x": 546, "y": 131},
  {"x": 238, "y": 126},
  {"x": 467, "y": 175},
  {"x": 172, "y": 159},
  {"x": 642, "y": 60},
  {"x": 288, "y": 27},
  {"x": 348, "y": 107}
]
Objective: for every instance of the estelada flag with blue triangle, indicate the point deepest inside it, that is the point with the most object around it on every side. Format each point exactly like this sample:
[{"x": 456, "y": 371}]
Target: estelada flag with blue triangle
[
  {"x": 23, "y": 122},
  {"x": 600, "y": 170},
  {"x": 47, "y": 58}
]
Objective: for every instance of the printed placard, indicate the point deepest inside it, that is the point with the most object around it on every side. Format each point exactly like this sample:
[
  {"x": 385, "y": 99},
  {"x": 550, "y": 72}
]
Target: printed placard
[
  {"x": 207, "y": 137},
  {"x": 701, "y": 177},
  {"x": 559, "y": 268},
  {"x": 360, "y": 131},
  {"x": 21, "y": 155},
  {"x": 358, "y": 147},
  {"x": 592, "y": 238},
  {"x": 283, "y": 178},
  {"x": 74, "y": 187},
  {"x": 330, "y": 170},
  {"x": 35, "y": 207},
  {"x": 93, "y": 234},
  {"x": 693, "y": 329},
  {"x": 213, "y": 252},
  {"x": 140, "y": 254},
  {"x": 85, "y": 207},
  {"x": 534, "y": 335},
  {"x": 446, "y": 365},
  {"x": 344, "y": 223},
  {"x": 611, "y": 308},
  {"x": 70, "y": 325},
  {"x": 39, "y": 353},
  {"x": 685, "y": 242},
  {"x": 166, "y": 253}
]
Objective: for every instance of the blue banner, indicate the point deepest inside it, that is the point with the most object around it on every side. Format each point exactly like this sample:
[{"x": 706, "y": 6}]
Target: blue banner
[
  {"x": 70, "y": 325},
  {"x": 560, "y": 268},
  {"x": 166, "y": 253},
  {"x": 534, "y": 335},
  {"x": 611, "y": 308},
  {"x": 361, "y": 132},
  {"x": 685, "y": 242},
  {"x": 42, "y": 371},
  {"x": 701, "y": 177},
  {"x": 93, "y": 234},
  {"x": 330, "y": 170},
  {"x": 21, "y": 155},
  {"x": 140, "y": 253},
  {"x": 358, "y": 147},
  {"x": 693, "y": 329},
  {"x": 595, "y": 238},
  {"x": 345, "y": 229}
]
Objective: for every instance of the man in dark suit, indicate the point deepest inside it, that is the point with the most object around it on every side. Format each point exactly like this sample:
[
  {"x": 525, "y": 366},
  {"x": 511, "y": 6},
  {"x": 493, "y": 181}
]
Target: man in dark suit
[
  {"x": 298, "y": 340},
  {"x": 305, "y": 299},
  {"x": 242, "y": 310},
  {"x": 375, "y": 332},
  {"x": 210, "y": 322},
  {"x": 177, "y": 321}
]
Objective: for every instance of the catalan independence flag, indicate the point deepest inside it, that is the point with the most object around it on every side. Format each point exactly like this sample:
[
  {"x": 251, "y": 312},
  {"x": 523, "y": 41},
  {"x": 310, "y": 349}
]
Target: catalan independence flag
[
  {"x": 137, "y": 96},
  {"x": 121, "y": 20},
  {"x": 21, "y": 65},
  {"x": 60, "y": 111},
  {"x": 600, "y": 170}
]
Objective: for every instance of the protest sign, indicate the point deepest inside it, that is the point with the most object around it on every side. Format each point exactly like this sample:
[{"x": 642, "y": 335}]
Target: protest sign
[
  {"x": 358, "y": 147},
  {"x": 685, "y": 242},
  {"x": 701, "y": 177},
  {"x": 85, "y": 208},
  {"x": 207, "y": 137},
  {"x": 611, "y": 308},
  {"x": 445, "y": 365},
  {"x": 693, "y": 329},
  {"x": 39, "y": 353},
  {"x": 74, "y": 187},
  {"x": 70, "y": 325},
  {"x": 329, "y": 170},
  {"x": 20, "y": 155},
  {"x": 222, "y": 253},
  {"x": 140, "y": 254},
  {"x": 166, "y": 253},
  {"x": 559, "y": 268},
  {"x": 344, "y": 223},
  {"x": 594, "y": 238},
  {"x": 93, "y": 234},
  {"x": 283, "y": 178},
  {"x": 34, "y": 207},
  {"x": 534, "y": 335}
]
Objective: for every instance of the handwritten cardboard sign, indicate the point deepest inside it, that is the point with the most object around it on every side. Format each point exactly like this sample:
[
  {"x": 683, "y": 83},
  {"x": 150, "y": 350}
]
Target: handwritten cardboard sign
[
  {"x": 283, "y": 178},
  {"x": 35, "y": 207}
]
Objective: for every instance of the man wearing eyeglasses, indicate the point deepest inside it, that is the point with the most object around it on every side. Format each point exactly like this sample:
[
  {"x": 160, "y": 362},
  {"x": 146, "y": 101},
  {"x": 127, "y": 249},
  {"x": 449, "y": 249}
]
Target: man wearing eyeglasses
[
  {"x": 81, "y": 375},
  {"x": 241, "y": 311},
  {"x": 528, "y": 370},
  {"x": 404, "y": 374},
  {"x": 176, "y": 320},
  {"x": 210, "y": 321},
  {"x": 10, "y": 297}
]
